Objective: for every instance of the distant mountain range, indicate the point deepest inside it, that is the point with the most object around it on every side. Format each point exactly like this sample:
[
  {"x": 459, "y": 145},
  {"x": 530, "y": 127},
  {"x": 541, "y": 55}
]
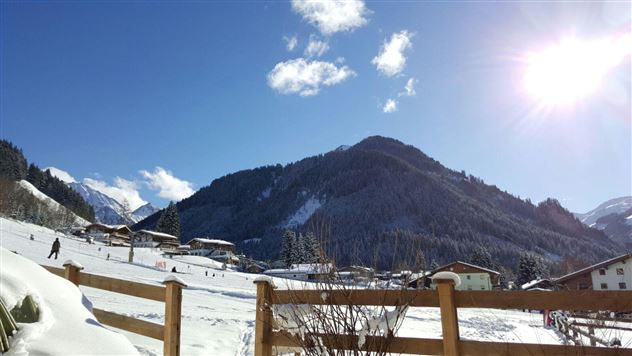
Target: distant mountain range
[
  {"x": 381, "y": 202},
  {"x": 614, "y": 218},
  {"x": 108, "y": 210}
]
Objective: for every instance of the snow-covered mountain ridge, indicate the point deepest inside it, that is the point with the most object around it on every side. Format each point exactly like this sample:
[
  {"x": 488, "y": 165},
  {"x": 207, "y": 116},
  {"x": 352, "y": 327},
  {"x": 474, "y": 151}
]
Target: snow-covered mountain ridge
[
  {"x": 614, "y": 218},
  {"x": 612, "y": 206},
  {"x": 107, "y": 209}
]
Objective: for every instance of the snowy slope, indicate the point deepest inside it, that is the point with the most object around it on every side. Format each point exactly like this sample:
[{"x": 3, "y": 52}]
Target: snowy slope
[
  {"x": 60, "y": 309},
  {"x": 218, "y": 311},
  {"x": 50, "y": 202},
  {"x": 107, "y": 209},
  {"x": 612, "y": 206}
]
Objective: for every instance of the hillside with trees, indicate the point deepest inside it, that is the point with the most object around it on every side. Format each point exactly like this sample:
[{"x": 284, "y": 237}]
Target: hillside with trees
[
  {"x": 14, "y": 167},
  {"x": 382, "y": 201}
]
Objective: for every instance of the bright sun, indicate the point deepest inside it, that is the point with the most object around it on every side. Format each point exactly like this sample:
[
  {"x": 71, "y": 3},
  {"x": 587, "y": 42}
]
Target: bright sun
[{"x": 572, "y": 70}]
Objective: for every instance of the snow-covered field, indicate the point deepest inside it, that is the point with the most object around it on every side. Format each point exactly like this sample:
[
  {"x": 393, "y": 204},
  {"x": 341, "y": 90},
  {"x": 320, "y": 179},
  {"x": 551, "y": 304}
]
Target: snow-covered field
[{"x": 219, "y": 309}]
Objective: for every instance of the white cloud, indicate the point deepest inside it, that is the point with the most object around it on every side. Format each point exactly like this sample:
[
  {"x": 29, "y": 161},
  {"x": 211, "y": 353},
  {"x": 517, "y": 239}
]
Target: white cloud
[
  {"x": 290, "y": 42},
  {"x": 390, "y": 106},
  {"x": 391, "y": 60},
  {"x": 122, "y": 190},
  {"x": 304, "y": 77},
  {"x": 62, "y": 175},
  {"x": 167, "y": 185},
  {"x": 331, "y": 16},
  {"x": 409, "y": 89},
  {"x": 315, "y": 47}
]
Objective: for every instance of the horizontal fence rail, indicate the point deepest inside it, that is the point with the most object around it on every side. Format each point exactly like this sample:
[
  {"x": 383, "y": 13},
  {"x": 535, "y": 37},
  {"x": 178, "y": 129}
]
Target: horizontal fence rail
[
  {"x": 170, "y": 294},
  {"x": 448, "y": 300},
  {"x": 124, "y": 322},
  {"x": 421, "y": 346},
  {"x": 566, "y": 300}
]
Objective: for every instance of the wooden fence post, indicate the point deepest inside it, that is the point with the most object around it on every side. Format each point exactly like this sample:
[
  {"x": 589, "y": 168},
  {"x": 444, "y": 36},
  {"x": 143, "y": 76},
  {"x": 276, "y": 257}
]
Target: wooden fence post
[
  {"x": 72, "y": 271},
  {"x": 263, "y": 321},
  {"x": 449, "y": 317},
  {"x": 173, "y": 316},
  {"x": 591, "y": 332}
]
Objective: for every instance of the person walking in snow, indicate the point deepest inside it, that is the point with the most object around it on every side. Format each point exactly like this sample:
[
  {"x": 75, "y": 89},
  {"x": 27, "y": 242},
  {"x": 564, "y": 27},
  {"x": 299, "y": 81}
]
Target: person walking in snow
[{"x": 55, "y": 248}]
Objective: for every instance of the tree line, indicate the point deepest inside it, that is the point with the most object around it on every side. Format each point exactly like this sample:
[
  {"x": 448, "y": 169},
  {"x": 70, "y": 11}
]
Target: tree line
[{"x": 15, "y": 167}]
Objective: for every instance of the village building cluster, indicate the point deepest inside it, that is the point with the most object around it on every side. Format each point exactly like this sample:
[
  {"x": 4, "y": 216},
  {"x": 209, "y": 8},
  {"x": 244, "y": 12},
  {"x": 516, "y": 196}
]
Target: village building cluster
[{"x": 613, "y": 274}]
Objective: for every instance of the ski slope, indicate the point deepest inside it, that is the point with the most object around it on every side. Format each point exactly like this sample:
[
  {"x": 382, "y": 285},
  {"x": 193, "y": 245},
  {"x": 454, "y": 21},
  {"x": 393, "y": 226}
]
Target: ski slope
[{"x": 218, "y": 312}]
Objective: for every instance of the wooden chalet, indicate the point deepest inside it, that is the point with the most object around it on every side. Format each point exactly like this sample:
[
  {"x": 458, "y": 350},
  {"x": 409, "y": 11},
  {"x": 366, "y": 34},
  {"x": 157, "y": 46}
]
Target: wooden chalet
[
  {"x": 154, "y": 239},
  {"x": 612, "y": 274},
  {"x": 473, "y": 277}
]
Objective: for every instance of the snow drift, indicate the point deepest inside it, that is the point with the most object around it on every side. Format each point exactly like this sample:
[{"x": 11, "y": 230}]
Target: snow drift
[{"x": 66, "y": 325}]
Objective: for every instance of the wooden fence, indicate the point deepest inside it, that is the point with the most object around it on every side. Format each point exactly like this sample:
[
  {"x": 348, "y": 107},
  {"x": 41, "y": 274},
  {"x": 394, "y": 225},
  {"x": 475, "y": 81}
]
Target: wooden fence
[
  {"x": 170, "y": 294},
  {"x": 447, "y": 299}
]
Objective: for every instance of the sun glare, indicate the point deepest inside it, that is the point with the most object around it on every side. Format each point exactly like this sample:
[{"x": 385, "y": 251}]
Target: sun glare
[{"x": 573, "y": 70}]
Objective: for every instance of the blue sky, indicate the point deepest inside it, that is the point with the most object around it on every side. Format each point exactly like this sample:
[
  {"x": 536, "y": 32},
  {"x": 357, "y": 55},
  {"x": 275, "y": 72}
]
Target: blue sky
[{"x": 168, "y": 96}]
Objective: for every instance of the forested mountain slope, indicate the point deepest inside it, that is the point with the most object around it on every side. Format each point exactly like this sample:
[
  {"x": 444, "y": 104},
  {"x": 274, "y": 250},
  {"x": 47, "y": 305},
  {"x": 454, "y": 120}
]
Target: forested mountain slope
[{"x": 381, "y": 202}]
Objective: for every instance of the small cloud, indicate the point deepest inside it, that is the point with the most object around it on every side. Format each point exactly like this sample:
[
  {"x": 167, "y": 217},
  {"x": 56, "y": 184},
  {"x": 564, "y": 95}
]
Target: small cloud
[
  {"x": 409, "y": 89},
  {"x": 61, "y": 174},
  {"x": 315, "y": 47},
  {"x": 290, "y": 42},
  {"x": 167, "y": 185},
  {"x": 331, "y": 16},
  {"x": 121, "y": 191},
  {"x": 391, "y": 60},
  {"x": 390, "y": 106},
  {"x": 305, "y": 77}
]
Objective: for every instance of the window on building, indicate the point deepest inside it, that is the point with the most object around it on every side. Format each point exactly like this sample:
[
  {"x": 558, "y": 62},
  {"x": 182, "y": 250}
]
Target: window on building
[
  {"x": 583, "y": 286},
  {"x": 604, "y": 285},
  {"x": 469, "y": 277},
  {"x": 622, "y": 285},
  {"x": 482, "y": 287},
  {"x": 602, "y": 272},
  {"x": 620, "y": 271}
]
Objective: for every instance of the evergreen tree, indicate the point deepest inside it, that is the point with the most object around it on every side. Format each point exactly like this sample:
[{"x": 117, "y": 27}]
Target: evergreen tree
[
  {"x": 288, "y": 247},
  {"x": 300, "y": 254},
  {"x": 482, "y": 258},
  {"x": 530, "y": 267},
  {"x": 169, "y": 221},
  {"x": 12, "y": 161},
  {"x": 35, "y": 176},
  {"x": 311, "y": 249}
]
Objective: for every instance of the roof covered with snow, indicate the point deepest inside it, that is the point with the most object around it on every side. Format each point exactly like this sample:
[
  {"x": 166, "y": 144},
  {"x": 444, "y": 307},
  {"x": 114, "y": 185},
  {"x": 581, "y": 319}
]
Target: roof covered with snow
[
  {"x": 158, "y": 234},
  {"x": 308, "y": 268},
  {"x": 212, "y": 241},
  {"x": 466, "y": 264}
]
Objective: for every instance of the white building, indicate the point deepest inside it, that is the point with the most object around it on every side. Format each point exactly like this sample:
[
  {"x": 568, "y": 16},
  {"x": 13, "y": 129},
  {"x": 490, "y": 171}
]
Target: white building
[
  {"x": 154, "y": 239},
  {"x": 302, "y": 272},
  {"x": 613, "y": 274}
]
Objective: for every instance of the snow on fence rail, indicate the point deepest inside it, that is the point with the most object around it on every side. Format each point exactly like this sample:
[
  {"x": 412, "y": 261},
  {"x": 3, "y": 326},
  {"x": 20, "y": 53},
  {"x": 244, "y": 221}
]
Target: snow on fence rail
[
  {"x": 170, "y": 294},
  {"x": 448, "y": 300}
]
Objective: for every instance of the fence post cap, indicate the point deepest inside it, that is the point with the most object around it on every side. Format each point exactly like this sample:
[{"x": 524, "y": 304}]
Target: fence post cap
[
  {"x": 72, "y": 263},
  {"x": 174, "y": 279},
  {"x": 265, "y": 279},
  {"x": 447, "y": 277}
]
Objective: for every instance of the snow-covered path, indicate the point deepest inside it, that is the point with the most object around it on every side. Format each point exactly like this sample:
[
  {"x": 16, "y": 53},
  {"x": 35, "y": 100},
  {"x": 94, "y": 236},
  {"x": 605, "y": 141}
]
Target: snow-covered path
[{"x": 218, "y": 311}]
